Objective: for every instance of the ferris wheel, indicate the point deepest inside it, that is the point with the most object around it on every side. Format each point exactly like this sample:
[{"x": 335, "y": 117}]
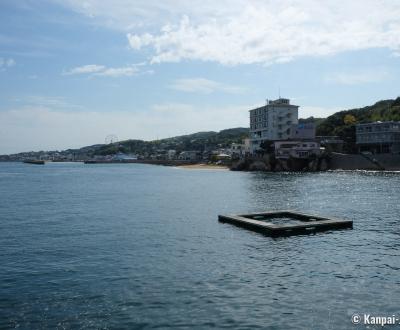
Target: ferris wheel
[{"x": 110, "y": 139}]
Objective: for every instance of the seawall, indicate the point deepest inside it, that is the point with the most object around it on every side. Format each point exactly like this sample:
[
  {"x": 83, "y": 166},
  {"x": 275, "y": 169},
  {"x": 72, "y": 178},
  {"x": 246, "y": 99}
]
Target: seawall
[
  {"x": 331, "y": 161},
  {"x": 377, "y": 162}
]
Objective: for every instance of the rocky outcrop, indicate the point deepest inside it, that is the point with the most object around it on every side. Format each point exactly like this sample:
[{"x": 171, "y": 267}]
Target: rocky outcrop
[
  {"x": 258, "y": 165},
  {"x": 268, "y": 163},
  {"x": 331, "y": 161}
]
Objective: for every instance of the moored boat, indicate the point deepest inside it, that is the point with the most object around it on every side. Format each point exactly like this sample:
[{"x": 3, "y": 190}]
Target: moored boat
[{"x": 34, "y": 161}]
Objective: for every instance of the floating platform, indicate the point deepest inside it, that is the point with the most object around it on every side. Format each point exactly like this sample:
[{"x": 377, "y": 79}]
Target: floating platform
[{"x": 285, "y": 222}]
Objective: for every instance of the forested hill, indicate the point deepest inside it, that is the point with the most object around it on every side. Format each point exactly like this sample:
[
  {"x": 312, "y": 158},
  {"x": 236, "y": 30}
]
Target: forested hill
[
  {"x": 197, "y": 141},
  {"x": 339, "y": 122}
]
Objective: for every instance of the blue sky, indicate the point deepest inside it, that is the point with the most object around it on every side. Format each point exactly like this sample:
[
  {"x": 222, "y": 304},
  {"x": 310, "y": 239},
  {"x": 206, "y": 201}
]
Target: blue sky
[{"x": 73, "y": 72}]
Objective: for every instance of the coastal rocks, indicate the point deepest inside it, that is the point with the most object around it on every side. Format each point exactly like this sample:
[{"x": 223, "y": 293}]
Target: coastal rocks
[
  {"x": 258, "y": 166},
  {"x": 312, "y": 165},
  {"x": 323, "y": 166},
  {"x": 268, "y": 163},
  {"x": 278, "y": 167},
  {"x": 240, "y": 165}
]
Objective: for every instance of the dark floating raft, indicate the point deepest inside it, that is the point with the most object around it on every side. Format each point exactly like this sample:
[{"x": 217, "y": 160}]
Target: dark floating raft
[
  {"x": 34, "y": 161},
  {"x": 285, "y": 223}
]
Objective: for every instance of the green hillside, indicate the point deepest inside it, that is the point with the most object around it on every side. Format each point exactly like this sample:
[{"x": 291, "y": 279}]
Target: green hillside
[
  {"x": 343, "y": 123},
  {"x": 337, "y": 123},
  {"x": 198, "y": 141}
]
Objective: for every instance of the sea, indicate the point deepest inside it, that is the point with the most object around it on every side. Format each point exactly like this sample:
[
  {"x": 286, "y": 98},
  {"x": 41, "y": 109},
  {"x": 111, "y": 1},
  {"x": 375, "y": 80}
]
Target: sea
[{"x": 134, "y": 246}]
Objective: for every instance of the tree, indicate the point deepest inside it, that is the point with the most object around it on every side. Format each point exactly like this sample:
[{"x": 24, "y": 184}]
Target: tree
[{"x": 349, "y": 119}]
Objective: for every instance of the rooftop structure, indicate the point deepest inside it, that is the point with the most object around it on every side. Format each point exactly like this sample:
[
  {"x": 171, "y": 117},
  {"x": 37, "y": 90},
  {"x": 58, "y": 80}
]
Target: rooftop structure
[{"x": 303, "y": 131}]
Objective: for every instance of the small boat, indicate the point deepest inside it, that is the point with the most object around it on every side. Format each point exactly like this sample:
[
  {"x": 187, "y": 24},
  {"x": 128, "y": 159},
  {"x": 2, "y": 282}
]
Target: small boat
[{"x": 34, "y": 161}]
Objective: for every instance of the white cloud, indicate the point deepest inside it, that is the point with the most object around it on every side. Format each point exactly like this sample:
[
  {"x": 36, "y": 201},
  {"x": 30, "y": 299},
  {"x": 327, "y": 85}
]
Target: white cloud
[
  {"x": 204, "y": 86},
  {"x": 10, "y": 62},
  {"x": 90, "y": 68},
  {"x": 358, "y": 77},
  {"x": 249, "y": 31},
  {"x": 119, "y": 72},
  {"x": 268, "y": 33},
  {"x": 126, "y": 15},
  {"x": 54, "y": 102},
  {"x": 137, "y": 42},
  {"x": 101, "y": 70},
  {"x": 6, "y": 63}
]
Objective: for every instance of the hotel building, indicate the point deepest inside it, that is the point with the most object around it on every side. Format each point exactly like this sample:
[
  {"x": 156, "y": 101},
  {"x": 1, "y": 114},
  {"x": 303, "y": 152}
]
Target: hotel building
[{"x": 273, "y": 121}]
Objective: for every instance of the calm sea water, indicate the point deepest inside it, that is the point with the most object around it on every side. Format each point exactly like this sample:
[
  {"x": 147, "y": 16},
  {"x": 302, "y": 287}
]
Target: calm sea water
[{"x": 139, "y": 246}]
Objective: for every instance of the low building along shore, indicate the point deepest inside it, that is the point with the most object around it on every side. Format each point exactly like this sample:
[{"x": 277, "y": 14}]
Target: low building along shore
[{"x": 378, "y": 137}]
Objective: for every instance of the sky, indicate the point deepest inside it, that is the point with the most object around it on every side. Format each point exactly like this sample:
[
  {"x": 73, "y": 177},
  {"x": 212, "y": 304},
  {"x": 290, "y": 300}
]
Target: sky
[{"x": 73, "y": 72}]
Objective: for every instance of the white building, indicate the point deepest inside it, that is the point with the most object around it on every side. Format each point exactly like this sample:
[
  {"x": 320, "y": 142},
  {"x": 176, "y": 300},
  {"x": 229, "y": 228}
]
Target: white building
[
  {"x": 171, "y": 154},
  {"x": 272, "y": 122},
  {"x": 296, "y": 149},
  {"x": 240, "y": 149},
  {"x": 189, "y": 155}
]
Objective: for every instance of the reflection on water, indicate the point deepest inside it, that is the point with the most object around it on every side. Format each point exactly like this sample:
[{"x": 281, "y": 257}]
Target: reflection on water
[{"x": 136, "y": 246}]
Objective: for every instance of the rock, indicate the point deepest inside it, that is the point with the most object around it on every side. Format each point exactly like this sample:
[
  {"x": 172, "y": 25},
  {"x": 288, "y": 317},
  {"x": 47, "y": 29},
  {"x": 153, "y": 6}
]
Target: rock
[
  {"x": 258, "y": 166},
  {"x": 312, "y": 166},
  {"x": 286, "y": 166},
  {"x": 278, "y": 167},
  {"x": 241, "y": 165},
  {"x": 323, "y": 166}
]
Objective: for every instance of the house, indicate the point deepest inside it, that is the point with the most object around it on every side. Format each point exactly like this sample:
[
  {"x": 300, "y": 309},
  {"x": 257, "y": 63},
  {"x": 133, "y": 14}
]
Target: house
[
  {"x": 171, "y": 154},
  {"x": 296, "y": 149},
  {"x": 331, "y": 143},
  {"x": 238, "y": 150},
  {"x": 190, "y": 155}
]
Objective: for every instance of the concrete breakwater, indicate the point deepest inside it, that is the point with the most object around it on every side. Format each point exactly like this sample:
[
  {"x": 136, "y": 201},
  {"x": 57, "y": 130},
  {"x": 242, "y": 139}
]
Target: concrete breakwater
[
  {"x": 328, "y": 161},
  {"x": 269, "y": 163},
  {"x": 376, "y": 162}
]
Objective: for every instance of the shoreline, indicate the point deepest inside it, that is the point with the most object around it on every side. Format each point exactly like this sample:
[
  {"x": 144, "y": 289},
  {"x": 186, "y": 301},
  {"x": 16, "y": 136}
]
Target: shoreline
[{"x": 203, "y": 167}]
